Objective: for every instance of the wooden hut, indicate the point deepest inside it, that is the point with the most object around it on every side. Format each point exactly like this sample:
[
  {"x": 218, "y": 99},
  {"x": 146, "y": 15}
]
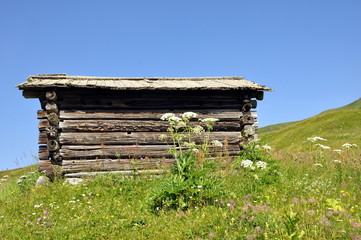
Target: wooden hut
[{"x": 100, "y": 124}]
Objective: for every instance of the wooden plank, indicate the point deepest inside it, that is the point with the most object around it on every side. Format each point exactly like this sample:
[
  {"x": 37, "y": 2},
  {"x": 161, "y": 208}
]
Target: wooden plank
[
  {"x": 129, "y": 125},
  {"x": 44, "y": 165},
  {"x": 221, "y": 114},
  {"x": 114, "y": 164},
  {"x": 126, "y": 138},
  {"x": 43, "y": 153},
  {"x": 136, "y": 152}
]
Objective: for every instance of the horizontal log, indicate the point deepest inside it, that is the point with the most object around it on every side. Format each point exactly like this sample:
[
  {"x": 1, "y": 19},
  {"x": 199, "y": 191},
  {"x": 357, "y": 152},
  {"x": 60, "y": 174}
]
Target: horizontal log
[
  {"x": 129, "y": 152},
  {"x": 128, "y": 138},
  {"x": 128, "y": 125},
  {"x": 221, "y": 114},
  {"x": 43, "y": 153},
  {"x": 44, "y": 165},
  {"x": 114, "y": 164}
]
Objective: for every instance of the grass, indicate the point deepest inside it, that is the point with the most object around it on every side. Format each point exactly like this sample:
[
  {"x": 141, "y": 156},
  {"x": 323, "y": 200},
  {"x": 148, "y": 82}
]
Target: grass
[
  {"x": 337, "y": 127},
  {"x": 356, "y": 105},
  {"x": 306, "y": 201}
]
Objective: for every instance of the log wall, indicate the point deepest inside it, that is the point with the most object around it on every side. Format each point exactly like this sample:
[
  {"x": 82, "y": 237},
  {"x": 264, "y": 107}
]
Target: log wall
[{"x": 97, "y": 130}]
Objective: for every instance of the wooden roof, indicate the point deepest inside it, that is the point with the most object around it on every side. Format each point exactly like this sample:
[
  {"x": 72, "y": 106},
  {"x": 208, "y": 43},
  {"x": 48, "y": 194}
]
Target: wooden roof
[{"x": 144, "y": 83}]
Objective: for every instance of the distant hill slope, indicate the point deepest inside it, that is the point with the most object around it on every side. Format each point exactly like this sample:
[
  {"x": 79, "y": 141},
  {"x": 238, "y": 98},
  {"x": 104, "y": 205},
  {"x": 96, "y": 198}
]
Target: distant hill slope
[
  {"x": 338, "y": 127},
  {"x": 354, "y": 105}
]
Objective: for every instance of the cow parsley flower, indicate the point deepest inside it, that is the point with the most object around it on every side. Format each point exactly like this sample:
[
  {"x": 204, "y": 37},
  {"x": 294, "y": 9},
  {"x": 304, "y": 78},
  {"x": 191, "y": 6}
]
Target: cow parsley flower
[
  {"x": 323, "y": 146},
  {"x": 266, "y": 147},
  {"x": 197, "y": 129},
  {"x": 347, "y": 145},
  {"x": 189, "y": 115},
  {"x": 261, "y": 164},
  {"x": 174, "y": 119},
  {"x": 314, "y": 139},
  {"x": 166, "y": 116},
  {"x": 247, "y": 164},
  {"x": 216, "y": 143}
]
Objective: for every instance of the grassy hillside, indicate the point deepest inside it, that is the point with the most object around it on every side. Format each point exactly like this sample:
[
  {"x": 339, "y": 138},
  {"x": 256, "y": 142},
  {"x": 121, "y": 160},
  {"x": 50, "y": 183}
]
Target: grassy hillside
[
  {"x": 338, "y": 127},
  {"x": 275, "y": 127},
  {"x": 352, "y": 106}
]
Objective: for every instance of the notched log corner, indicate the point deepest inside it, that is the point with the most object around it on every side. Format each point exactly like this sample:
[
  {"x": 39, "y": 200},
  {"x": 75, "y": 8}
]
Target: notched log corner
[
  {"x": 51, "y": 96},
  {"x": 53, "y": 119},
  {"x": 51, "y": 132},
  {"x": 53, "y": 145},
  {"x": 246, "y": 120}
]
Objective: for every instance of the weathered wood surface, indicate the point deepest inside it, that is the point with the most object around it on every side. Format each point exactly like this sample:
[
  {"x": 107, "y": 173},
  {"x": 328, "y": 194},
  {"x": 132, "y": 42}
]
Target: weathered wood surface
[
  {"x": 149, "y": 103},
  {"x": 246, "y": 120},
  {"x": 51, "y": 131},
  {"x": 51, "y": 107},
  {"x": 221, "y": 114},
  {"x": 53, "y": 119},
  {"x": 44, "y": 165},
  {"x": 249, "y": 130},
  {"x": 126, "y": 138},
  {"x": 128, "y": 125},
  {"x": 130, "y": 152},
  {"x": 121, "y": 151},
  {"x": 114, "y": 164},
  {"x": 53, "y": 145},
  {"x": 51, "y": 96}
]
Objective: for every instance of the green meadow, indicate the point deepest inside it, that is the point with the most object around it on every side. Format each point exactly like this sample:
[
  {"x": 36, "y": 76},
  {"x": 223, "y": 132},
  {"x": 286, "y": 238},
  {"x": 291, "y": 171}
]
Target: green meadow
[{"x": 300, "y": 182}]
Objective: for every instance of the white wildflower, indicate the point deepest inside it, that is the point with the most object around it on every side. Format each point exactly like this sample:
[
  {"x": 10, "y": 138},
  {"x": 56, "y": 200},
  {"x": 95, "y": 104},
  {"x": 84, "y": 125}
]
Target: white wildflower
[
  {"x": 181, "y": 124},
  {"x": 162, "y": 137},
  {"x": 318, "y": 165},
  {"x": 347, "y": 145},
  {"x": 72, "y": 201},
  {"x": 189, "y": 115},
  {"x": 322, "y": 146},
  {"x": 19, "y": 181},
  {"x": 216, "y": 143},
  {"x": 267, "y": 147},
  {"x": 209, "y": 120},
  {"x": 261, "y": 164},
  {"x": 189, "y": 144},
  {"x": 6, "y": 176},
  {"x": 337, "y": 161},
  {"x": 314, "y": 139},
  {"x": 23, "y": 176},
  {"x": 247, "y": 164},
  {"x": 198, "y": 129},
  {"x": 337, "y": 150},
  {"x": 174, "y": 119},
  {"x": 38, "y": 206},
  {"x": 167, "y": 116},
  {"x": 354, "y": 145},
  {"x": 199, "y": 186}
]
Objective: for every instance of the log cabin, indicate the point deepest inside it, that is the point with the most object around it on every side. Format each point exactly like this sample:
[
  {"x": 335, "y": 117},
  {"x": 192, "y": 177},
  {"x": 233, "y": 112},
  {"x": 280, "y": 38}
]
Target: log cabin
[{"x": 91, "y": 125}]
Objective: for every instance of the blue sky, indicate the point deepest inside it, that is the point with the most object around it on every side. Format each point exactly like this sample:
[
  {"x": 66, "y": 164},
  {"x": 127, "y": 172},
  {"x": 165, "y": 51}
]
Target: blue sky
[{"x": 308, "y": 51}]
